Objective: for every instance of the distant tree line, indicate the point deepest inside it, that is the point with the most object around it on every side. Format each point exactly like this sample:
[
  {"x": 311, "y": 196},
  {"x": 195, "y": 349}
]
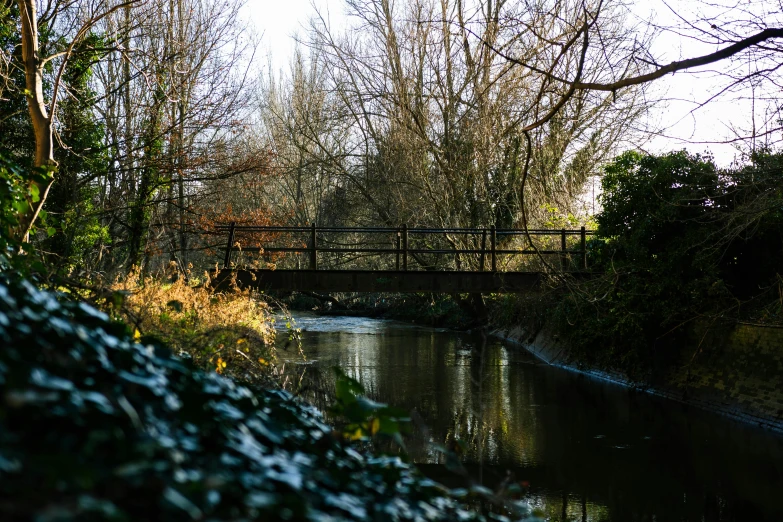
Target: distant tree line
[{"x": 146, "y": 123}]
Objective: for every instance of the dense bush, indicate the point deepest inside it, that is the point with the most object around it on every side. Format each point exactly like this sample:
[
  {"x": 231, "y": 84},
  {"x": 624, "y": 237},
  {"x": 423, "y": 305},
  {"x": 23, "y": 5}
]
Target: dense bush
[
  {"x": 94, "y": 426},
  {"x": 19, "y": 194},
  {"x": 679, "y": 241}
]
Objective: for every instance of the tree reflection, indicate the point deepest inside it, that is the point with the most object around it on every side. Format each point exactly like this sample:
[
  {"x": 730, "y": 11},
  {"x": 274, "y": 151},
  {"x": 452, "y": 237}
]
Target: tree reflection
[{"x": 589, "y": 450}]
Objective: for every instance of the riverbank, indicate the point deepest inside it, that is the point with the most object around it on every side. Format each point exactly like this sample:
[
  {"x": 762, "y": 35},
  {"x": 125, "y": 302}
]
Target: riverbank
[
  {"x": 438, "y": 311},
  {"x": 737, "y": 373}
]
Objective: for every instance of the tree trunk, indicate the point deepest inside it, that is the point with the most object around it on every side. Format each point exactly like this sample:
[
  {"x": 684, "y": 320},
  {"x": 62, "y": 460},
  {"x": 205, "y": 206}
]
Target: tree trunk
[
  {"x": 42, "y": 126},
  {"x": 36, "y": 105},
  {"x": 141, "y": 209}
]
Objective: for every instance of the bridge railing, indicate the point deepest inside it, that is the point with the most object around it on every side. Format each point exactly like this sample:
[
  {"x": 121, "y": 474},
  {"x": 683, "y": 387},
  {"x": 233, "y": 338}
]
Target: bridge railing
[{"x": 405, "y": 245}]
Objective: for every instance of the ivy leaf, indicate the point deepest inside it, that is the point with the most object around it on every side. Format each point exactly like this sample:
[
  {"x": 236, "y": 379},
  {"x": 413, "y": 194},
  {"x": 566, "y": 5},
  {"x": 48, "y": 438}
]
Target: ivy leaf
[{"x": 21, "y": 206}]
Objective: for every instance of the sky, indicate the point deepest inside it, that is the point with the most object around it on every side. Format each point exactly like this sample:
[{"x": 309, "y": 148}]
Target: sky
[{"x": 278, "y": 22}]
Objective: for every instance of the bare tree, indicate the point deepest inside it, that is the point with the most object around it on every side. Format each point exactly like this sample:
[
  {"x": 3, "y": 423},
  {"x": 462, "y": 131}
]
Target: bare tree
[
  {"x": 439, "y": 129},
  {"x": 302, "y": 122},
  {"x": 746, "y": 38},
  {"x": 175, "y": 106}
]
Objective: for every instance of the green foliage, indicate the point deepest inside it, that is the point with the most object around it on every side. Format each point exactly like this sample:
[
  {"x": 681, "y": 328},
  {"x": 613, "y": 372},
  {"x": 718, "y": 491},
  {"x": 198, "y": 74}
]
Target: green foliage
[
  {"x": 81, "y": 234},
  {"x": 657, "y": 205},
  {"x": 94, "y": 426},
  {"x": 17, "y": 193},
  {"x": 78, "y": 235},
  {"x": 556, "y": 218},
  {"x": 18, "y": 141},
  {"x": 367, "y": 419},
  {"x": 73, "y": 228},
  {"x": 678, "y": 240}
]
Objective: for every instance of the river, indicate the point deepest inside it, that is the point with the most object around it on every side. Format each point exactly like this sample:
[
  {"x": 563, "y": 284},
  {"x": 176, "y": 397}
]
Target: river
[{"x": 586, "y": 450}]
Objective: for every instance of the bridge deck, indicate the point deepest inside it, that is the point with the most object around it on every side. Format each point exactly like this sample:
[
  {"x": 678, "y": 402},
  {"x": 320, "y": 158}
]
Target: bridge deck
[{"x": 381, "y": 281}]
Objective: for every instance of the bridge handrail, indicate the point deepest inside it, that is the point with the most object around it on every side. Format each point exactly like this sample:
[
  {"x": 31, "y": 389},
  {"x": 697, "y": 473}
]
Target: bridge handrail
[
  {"x": 402, "y": 250},
  {"x": 411, "y": 230}
]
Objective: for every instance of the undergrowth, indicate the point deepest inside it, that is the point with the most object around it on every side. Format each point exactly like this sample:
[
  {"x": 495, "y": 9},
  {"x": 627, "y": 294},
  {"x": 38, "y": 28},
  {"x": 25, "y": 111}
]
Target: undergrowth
[{"x": 230, "y": 331}]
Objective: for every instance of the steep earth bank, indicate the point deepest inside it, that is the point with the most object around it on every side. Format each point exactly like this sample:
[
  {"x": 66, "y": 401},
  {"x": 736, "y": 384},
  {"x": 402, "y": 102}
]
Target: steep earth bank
[{"x": 737, "y": 372}]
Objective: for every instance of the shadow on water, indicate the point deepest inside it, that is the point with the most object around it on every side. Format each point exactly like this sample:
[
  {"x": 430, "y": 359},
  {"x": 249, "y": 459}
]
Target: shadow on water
[{"x": 589, "y": 450}]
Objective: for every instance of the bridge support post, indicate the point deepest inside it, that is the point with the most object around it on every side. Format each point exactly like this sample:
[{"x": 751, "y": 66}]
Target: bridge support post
[
  {"x": 229, "y": 246},
  {"x": 405, "y": 247},
  {"x": 493, "y": 241},
  {"x": 563, "y": 255},
  {"x": 483, "y": 249},
  {"x": 399, "y": 239},
  {"x": 313, "y": 249}
]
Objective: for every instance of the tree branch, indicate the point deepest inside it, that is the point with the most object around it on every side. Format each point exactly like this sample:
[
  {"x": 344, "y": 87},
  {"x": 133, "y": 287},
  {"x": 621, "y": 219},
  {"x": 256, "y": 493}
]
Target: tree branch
[{"x": 727, "y": 52}]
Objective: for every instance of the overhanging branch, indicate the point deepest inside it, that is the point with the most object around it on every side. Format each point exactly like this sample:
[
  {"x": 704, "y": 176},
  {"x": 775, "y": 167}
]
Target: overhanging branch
[
  {"x": 681, "y": 65},
  {"x": 726, "y": 52}
]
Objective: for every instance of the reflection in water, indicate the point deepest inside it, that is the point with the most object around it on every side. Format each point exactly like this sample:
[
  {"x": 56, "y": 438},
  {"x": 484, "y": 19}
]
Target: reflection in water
[{"x": 590, "y": 450}]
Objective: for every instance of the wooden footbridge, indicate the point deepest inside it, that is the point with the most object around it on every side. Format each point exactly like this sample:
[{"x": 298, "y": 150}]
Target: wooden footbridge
[{"x": 401, "y": 259}]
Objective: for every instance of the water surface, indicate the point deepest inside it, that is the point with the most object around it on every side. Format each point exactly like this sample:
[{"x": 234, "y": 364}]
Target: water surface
[{"x": 590, "y": 450}]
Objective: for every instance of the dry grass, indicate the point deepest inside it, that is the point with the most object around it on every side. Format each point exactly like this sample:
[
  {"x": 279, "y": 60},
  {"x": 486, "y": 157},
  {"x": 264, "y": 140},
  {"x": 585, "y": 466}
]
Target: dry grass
[{"x": 230, "y": 332}]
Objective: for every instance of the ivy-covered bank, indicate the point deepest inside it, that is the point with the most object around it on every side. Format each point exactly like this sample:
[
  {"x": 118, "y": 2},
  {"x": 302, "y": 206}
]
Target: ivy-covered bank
[{"x": 95, "y": 426}]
